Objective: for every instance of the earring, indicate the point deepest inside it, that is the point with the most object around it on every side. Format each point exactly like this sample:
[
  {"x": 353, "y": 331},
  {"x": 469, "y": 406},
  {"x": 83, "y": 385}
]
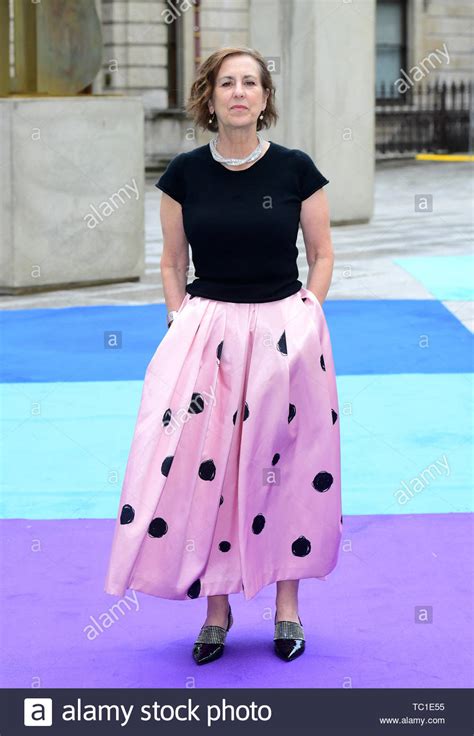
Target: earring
[
  {"x": 210, "y": 119},
  {"x": 261, "y": 116}
]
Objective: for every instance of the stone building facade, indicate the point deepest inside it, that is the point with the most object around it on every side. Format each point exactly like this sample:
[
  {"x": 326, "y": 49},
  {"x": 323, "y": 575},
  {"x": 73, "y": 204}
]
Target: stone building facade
[{"x": 330, "y": 55}]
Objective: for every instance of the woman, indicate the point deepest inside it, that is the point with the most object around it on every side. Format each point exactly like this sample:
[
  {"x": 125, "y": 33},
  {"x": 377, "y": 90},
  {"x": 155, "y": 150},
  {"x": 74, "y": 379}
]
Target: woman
[{"x": 233, "y": 478}]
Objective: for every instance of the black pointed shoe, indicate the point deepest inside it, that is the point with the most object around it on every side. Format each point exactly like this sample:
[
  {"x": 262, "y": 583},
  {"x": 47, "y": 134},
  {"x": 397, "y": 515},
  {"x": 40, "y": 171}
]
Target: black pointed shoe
[
  {"x": 210, "y": 643},
  {"x": 288, "y": 640}
]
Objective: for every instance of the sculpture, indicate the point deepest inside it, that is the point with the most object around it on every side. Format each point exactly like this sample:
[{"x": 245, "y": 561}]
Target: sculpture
[{"x": 48, "y": 48}]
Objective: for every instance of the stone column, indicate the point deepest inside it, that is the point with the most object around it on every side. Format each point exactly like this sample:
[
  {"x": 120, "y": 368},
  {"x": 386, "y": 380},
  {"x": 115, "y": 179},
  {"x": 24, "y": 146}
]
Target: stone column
[{"x": 324, "y": 56}]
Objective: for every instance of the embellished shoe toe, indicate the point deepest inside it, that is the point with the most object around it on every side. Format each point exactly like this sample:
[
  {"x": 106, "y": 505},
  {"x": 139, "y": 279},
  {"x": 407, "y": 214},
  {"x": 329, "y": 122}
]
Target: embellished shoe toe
[
  {"x": 289, "y": 640},
  {"x": 210, "y": 643}
]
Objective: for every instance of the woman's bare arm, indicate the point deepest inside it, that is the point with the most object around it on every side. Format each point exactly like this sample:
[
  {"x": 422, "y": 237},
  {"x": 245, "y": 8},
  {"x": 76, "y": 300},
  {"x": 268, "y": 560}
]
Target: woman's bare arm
[
  {"x": 174, "y": 262},
  {"x": 315, "y": 224}
]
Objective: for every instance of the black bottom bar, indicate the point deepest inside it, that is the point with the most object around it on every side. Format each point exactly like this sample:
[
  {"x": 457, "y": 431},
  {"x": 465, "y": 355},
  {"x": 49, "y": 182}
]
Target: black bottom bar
[{"x": 331, "y": 712}]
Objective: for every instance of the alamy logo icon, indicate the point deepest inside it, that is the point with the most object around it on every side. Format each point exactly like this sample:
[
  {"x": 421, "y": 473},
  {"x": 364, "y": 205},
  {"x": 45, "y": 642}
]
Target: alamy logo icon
[{"x": 38, "y": 712}]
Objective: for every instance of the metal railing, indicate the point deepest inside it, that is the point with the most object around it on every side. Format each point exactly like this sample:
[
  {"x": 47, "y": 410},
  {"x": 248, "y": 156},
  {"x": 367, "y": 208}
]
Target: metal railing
[{"x": 428, "y": 118}]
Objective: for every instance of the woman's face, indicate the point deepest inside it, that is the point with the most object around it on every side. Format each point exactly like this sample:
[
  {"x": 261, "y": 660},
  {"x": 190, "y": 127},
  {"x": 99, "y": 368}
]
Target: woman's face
[{"x": 238, "y": 83}]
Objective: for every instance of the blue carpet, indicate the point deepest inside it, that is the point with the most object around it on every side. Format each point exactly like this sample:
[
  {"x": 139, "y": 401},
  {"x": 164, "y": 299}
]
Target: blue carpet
[
  {"x": 110, "y": 343},
  {"x": 405, "y": 445},
  {"x": 446, "y": 277}
]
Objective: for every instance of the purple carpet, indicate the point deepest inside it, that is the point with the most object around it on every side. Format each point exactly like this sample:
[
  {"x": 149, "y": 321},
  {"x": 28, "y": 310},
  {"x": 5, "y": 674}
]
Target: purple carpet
[{"x": 360, "y": 624}]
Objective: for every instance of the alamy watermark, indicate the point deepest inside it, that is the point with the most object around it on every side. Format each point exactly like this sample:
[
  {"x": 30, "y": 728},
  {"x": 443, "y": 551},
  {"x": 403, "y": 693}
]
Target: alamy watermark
[
  {"x": 420, "y": 70},
  {"x": 415, "y": 485}
]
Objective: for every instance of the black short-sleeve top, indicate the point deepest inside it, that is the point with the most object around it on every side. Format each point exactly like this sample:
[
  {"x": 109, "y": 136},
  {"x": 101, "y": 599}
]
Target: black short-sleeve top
[{"x": 242, "y": 225}]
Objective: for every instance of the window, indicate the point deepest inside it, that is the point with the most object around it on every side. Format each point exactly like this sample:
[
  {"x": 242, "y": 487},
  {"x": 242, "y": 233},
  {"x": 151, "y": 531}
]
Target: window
[
  {"x": 391, "y": 52},
  {"x": 174, "y": 49}
]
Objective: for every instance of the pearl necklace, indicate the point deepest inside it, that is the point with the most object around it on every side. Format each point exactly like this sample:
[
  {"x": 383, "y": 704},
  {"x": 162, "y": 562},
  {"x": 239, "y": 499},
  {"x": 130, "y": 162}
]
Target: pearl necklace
[{"x": 236, "y": 161}]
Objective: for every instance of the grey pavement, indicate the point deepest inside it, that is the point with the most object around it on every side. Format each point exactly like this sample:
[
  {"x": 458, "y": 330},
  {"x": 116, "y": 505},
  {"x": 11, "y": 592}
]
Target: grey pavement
[{"x": 364, "y": 267}]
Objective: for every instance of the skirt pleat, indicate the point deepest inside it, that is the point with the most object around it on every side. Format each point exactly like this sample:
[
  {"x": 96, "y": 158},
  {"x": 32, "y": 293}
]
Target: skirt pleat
[{"x": 233, "y": 477}]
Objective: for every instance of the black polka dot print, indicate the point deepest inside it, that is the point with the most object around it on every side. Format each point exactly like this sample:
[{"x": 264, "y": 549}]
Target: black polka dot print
[
  {"x": 194, "y": 589},
  {"x": 196, "y": 405},
  {"x": 258, "y": 523},
  {"x": 127, "y": 515},
  {"x": 301, "y": 547},
  {"x": 281, "y": 344},
  {"x": 322, "y": 482},
  {"x": 166, "y": 465},
  {"x": 207, "y": 470},
  {"x": 157, "y": 527}
]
